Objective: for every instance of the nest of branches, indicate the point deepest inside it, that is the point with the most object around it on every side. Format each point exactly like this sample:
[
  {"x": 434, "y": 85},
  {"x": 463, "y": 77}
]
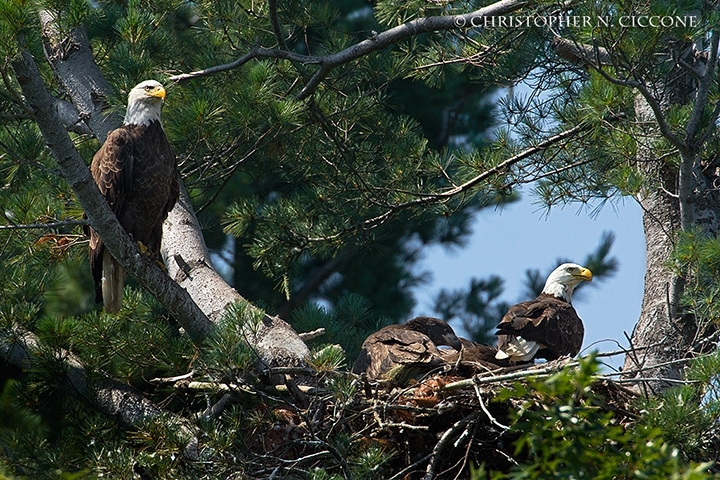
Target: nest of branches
[{"x": 439, "y": 427}]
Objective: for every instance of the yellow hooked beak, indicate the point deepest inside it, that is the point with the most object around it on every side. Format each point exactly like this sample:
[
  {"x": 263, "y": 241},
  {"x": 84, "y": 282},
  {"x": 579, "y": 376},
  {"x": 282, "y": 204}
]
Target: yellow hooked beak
[
  {"x": 157, "y": 91},
  {"x": 584, "y": 274}
]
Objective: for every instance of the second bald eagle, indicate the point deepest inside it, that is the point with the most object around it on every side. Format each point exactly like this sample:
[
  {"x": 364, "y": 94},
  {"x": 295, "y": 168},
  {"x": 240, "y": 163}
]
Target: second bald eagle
[{"x": 547, "y": 327}]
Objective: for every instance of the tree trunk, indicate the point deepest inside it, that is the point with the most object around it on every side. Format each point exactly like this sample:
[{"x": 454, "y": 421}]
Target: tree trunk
[
  {"x": 661, "y": 334},
  {"x": 188, "y": 263},
  {"x": 675, "y": 200}
]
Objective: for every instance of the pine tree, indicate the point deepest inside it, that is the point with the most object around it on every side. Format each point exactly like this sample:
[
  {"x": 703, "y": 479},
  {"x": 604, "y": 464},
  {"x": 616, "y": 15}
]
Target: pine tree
[{"x": 292, "y": 136}]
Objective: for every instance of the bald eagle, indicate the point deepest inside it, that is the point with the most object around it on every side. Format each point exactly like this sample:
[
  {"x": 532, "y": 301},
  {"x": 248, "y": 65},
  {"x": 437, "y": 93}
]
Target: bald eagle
[
  {"x": 547, "y": 327},
  {"x": 412, "y": 345},
  {"x": 136, "y": 172}
]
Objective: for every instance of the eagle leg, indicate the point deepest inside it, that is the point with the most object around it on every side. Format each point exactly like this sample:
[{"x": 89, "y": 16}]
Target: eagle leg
[{"x": 146, "y": 251}]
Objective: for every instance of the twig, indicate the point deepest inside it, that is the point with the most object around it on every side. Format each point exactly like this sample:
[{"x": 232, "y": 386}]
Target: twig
[
  {"x": 404, "y": 471},
  {"x": 285, "y": 389},
  {"x": 404, "y": 425},
  {"x": 649, "y": 367},
  {"x": 215, "y": 410},
  {"x": 173, "y": 379},
  {"x": 478, "y": 380},
  {"x": 440, "y": 446},
  {"x": 63, "y": 223},
  {"x": 310, "y": 335},
  {"x": 219, "y": 387},
  {"x": 478, "y": 393},
  {"x": 655, "y": 379},
  {"x": 272, "y": 7},
  {"x": 270, "y": 371}
]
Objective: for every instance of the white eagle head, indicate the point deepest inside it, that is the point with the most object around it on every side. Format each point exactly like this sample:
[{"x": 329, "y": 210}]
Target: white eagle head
[
  {"x": 563, "y": 280},
  {"x": 145, "y": 102}
]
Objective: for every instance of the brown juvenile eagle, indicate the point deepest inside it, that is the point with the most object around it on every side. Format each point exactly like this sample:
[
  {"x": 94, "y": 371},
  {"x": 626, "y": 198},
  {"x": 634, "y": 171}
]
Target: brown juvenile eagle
[
  {"x": 412, "y": 344},
  {"x": 136, "y": 172},
  {"x": 547, "y": 327}
]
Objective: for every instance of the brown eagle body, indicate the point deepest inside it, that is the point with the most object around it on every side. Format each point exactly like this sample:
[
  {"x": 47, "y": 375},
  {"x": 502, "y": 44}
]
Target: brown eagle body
[
  {"x": 136, "y": 172},
  {"x": 547, "y": 327},
  {"x": 412, "y": 345},
  {"x": 547, "y": 320},
  {"x": 475, "y": 357}
]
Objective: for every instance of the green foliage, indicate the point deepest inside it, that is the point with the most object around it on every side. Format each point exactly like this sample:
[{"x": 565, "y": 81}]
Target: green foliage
[
  {"x": 327, "y": 358},
  {"x": 687, "y": 414},
  {"x": 563, "y": 432},
  {"x": 228, "y": 356},
  {"x": 697, "y": 259},
  {"x": 330, "y": 197}
]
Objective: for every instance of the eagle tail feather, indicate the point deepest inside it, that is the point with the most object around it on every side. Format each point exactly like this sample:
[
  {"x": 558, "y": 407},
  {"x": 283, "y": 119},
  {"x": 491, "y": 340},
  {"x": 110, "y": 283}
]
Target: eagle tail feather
[
  {"x": 113, "y": 282},
  {"x": 519, "y": 349}
]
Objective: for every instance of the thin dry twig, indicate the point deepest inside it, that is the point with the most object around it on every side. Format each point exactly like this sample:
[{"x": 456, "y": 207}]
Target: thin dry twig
[
  {"x": 492, "y": 419},
  {"x": 49, "y": 225},
  {"x": 444, "y": 440}
]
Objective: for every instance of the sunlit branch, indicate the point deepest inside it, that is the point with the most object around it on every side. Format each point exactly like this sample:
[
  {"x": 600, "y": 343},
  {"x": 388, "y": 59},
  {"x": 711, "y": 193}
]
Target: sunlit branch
[
  {"x": 376, "y": 42},
  {"x": 63, "y": 223}
]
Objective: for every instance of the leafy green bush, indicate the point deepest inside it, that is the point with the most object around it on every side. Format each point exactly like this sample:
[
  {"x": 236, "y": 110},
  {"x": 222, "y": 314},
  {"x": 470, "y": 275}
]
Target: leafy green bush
[{"x": 563, "y": 432}]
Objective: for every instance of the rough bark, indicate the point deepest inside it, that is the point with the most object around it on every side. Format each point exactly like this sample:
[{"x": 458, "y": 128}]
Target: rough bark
[
  {"x": 676, "y": 199},
  {"x": 75, "y": 68},
  {"x": 660, "y": 334},
  {"x": 188, "y": 262}
]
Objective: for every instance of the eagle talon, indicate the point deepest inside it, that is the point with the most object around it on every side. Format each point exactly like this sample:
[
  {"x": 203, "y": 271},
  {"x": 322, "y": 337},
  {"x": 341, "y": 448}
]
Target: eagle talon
[{"x": 145, "y": 251}]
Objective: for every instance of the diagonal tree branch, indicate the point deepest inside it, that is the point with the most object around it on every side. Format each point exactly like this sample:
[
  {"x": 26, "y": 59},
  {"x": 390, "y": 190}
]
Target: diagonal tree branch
[
  {"x": 77, "y": 175},
  {"x": 464, "y": 187},
  {"x": 377, "y": 42}
]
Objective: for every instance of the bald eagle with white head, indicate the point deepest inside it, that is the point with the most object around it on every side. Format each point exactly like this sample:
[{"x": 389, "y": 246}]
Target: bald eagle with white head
[
  {"x": 136, "y": 172},
  {"x": 547, "y": 327}
]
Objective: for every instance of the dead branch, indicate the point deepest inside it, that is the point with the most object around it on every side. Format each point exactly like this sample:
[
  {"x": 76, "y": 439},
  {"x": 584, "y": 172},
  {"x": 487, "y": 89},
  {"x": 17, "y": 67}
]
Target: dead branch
[
  {"x": 444, "y": 440},
  {"x": 46, "y": 226},
  {"x": 531, "y": 372},
  {"x": 306, "y": 336}
]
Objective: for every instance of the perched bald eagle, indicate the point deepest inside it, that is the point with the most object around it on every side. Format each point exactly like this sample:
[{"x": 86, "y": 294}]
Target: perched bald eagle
[
  {"x": 136, "y": 172},
  {"x": 547, "y": 327},
  {"x": 412, "y": 345}
]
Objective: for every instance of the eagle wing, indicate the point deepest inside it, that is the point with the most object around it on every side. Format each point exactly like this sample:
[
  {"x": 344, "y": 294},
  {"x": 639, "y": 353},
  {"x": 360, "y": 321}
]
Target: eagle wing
[
  {"x": 395, "y": 346},
  {"x": 112, "y": 167},
  {"x": 112, "y": 170},
  {"x": 551, "y": 322}
]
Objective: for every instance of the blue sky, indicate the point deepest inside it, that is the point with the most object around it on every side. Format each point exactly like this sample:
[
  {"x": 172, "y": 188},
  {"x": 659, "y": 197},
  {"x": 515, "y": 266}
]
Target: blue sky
[{"x": 523, "y": 235}]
